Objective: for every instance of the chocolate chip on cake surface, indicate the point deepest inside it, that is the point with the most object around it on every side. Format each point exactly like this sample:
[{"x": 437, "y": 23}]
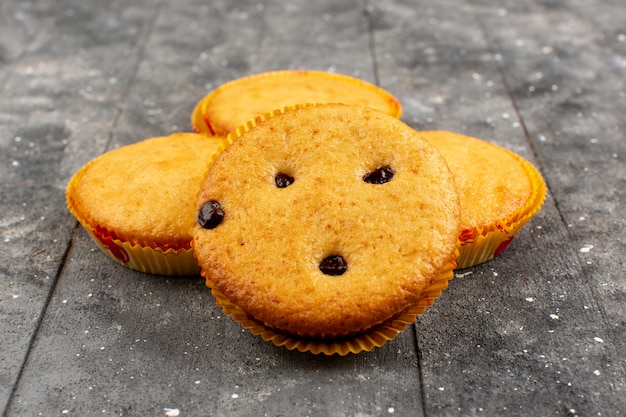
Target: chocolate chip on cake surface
[
  {"x": 283, "y": 180},
  {"x": 333, "y": 265},
  {"x": 210, "y": 215},
  {"x": 380, "y": 175}
]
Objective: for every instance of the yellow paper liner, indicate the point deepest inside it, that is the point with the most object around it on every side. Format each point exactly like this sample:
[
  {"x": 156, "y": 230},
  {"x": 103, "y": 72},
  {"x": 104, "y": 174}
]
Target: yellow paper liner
[
  {"x": 363, "y": 342},
  {"x": 484, "y": 243},
  {"x": 201, "y": 125},
  {"x": 232, "y": 136}
]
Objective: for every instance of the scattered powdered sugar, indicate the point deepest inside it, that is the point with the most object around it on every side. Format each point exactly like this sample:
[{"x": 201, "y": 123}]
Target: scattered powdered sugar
[{"x": 586, "y": 248}]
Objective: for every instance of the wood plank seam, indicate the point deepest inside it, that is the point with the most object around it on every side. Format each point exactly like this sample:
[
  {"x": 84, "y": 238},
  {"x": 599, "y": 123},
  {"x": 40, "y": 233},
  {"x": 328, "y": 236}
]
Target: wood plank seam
[
  {"x": 20, "y": 56},
  {"x": 588, "y": 279},
  {"x": 39, "y": 321},
  {"x": 140, "y": 55},
  {"x": 367, "y": 13}
]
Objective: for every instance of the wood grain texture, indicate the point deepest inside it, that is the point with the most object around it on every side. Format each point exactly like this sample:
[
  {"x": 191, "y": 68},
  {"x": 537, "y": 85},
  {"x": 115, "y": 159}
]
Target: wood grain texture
[{"x": 539, "y": 330}]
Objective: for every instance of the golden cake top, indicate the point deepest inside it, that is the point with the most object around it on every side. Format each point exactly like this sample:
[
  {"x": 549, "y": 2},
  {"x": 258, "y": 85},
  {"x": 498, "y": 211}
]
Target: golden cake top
[
  {"x": 145, "y": 193},
  {"x": 238, "y": 101},
  {"x": 326, "y": 220},
  {"x": 492, "y": 184}
]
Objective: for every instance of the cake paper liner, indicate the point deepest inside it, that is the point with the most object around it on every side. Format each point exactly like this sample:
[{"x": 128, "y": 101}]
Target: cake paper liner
[
  {"x": 366, "y": 341},
  {"x": 481, "y": 244},
  {"x": 201, "y": 123},
  {"x": 144, "y": 258}
]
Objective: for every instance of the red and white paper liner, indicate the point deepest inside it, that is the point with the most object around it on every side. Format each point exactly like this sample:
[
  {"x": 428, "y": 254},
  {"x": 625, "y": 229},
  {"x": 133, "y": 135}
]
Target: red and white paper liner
[
  {"x": 375, "y": 337},
  {"x": 201, "y": 122},
  {"x": 147, "y": 259},
  {"x": 480, "y": 244}
]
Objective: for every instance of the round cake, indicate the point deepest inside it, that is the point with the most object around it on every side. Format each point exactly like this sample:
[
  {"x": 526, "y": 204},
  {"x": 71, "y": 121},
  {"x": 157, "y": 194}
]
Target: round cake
[
  {"x": 137, "y": 202},
  {"x": 325, "y": 221},
  {"x": 499, "y": 192},
  {"x": 241, "y": 100}
]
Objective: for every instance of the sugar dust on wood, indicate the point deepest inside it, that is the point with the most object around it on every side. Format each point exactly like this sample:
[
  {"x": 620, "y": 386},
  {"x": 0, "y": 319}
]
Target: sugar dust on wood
[{"x": 586, "y": 248}]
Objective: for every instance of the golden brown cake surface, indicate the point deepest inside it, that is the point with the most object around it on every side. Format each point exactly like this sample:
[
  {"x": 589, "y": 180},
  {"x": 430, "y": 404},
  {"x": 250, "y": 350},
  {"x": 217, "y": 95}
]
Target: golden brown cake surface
[
  {"x": 491, "y": 183},
  {"x": 243, "y": 99},
  {"x": 145, "y": 193},
  {"x": 266, "y": 254}
]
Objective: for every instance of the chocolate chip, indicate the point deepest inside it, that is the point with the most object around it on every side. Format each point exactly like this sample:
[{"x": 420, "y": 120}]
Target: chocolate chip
[
  {"x": 380, "y": 175},
  {"x": 283, "y": 180},
  {"x": 333, "y": 265},
  {"x": 210, "y": 215}
]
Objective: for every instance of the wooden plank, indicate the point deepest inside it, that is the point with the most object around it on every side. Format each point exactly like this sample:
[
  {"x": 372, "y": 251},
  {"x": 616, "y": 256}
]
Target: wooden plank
[
  {"x": 58, "y": 99},
  {"x": 570, "y": 88},
  {"x": 133, "y": 344},
  {"x": 17, "y": 317},
  {"x": 516, "y": 335},
  {"x": 18, "y": 26}
]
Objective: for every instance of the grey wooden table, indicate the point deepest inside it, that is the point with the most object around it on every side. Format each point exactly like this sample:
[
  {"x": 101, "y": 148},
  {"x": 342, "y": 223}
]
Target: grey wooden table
[{"x": 538, "y": 331}]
